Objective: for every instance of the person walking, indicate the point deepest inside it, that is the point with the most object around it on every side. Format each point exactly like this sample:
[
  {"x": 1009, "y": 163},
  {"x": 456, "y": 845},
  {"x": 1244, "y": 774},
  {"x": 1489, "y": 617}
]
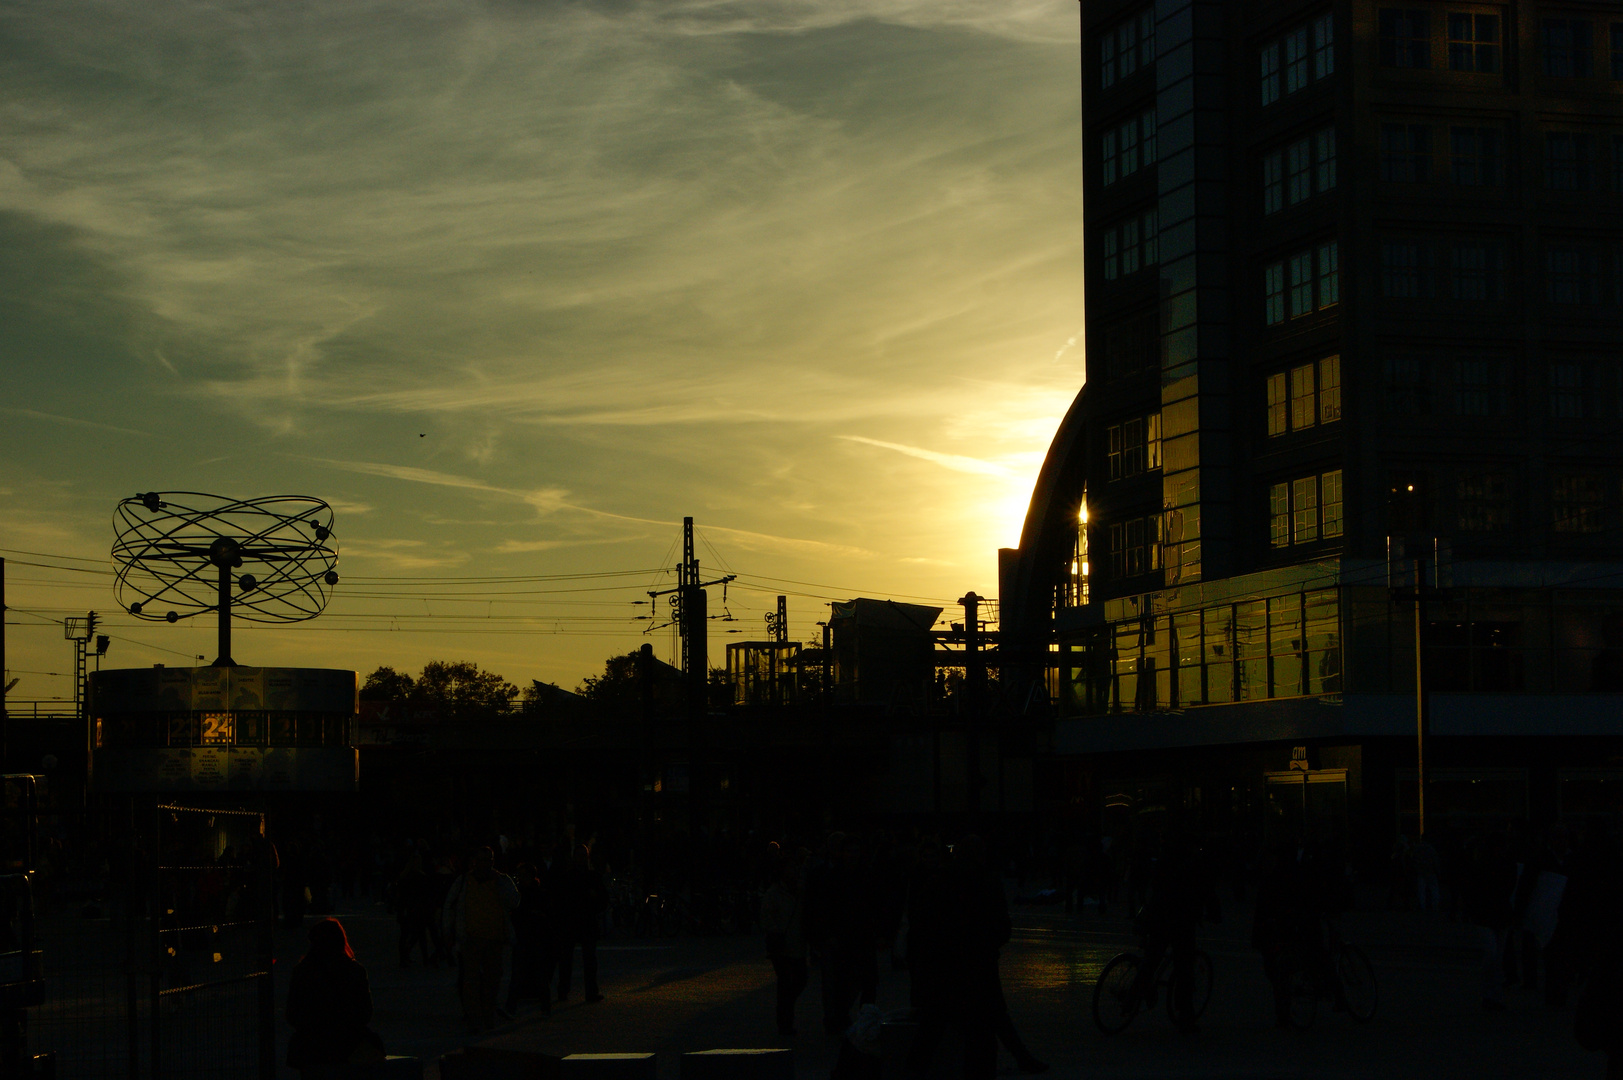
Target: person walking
[
  {"x": 583, "y": 900},
  {"x": 412, "y": 895},
  {"x": 329, "y": 1004},
  {"x": 477, "y": 923},
  {"x": 783, "y": 921},
  {"x": 532, "y": 942}
]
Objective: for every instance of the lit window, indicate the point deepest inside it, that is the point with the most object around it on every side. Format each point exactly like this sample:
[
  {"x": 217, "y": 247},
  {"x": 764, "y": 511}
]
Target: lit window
[
  {"x": 1278, "y": 409},
  {"x": 1329, "y": 389},
  {"x": 1303, "y": 413},
  {"x": 1330, "y": 503}
]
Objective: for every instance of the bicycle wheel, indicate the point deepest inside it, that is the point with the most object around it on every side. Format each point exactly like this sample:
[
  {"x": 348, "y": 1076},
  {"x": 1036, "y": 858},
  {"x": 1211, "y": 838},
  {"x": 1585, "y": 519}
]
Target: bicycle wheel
[
  {"x": 1200, "y": 993},
  {"x": 1203, "y": 983},
  {"x": 1115, "y": 995},
  {"x": 1302, "y": 996},
  {"x": 1358, "y": 984}
]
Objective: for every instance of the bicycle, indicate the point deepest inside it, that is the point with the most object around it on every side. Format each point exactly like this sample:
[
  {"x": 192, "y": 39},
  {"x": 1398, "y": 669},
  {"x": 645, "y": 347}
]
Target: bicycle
[
  {"x": 1118, "y": 996},
  {"x": 1353, "y": 975}
]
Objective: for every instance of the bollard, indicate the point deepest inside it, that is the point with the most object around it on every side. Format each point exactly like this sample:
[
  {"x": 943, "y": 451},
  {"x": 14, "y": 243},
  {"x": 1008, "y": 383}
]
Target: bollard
[
  {"x": 739, "y": 1065},
  {"x": 608, "y": 1067}
]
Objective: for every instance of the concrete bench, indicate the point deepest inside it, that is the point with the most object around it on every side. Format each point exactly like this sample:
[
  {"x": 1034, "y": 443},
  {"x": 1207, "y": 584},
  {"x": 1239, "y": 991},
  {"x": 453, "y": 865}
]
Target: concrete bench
[
  {"x": 739, "y": 1065},
  {"x": 497, "y": 1063},
  {"x": 608, "y": 1067}
]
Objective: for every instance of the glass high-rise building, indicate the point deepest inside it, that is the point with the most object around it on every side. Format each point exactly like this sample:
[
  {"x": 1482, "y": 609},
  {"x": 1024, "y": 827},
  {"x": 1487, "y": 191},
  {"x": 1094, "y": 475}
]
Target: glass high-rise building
[{"x": 1354, "y": 294}]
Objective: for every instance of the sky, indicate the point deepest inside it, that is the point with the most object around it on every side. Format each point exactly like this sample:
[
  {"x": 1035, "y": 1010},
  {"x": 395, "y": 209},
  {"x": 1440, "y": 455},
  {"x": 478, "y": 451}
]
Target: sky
[{"x": 516, "y": 285}]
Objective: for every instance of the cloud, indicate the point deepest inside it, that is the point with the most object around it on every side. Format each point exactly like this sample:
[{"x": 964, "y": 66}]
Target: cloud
[
  {"x": 955, "y": 462},
  {"x": 76, "y": 422}
]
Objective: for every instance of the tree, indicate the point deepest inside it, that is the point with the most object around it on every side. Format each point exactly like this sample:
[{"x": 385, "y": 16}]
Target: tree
[
  {"x": 456, "y": 688},
  {"x": 387, "y": 684},
  {"x": 460, "y": 688}
]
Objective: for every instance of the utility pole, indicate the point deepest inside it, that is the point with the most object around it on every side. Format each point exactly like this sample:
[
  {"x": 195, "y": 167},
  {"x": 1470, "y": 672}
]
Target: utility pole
[
  {"x": 692, "y": 620},
  {"x": 974, "y": 694},
  {"x": 778, "y": 627},
  {"x": 1418, "y": 594}
]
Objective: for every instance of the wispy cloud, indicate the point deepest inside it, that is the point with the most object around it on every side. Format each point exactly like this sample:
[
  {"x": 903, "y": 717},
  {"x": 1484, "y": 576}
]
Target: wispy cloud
[
  {"x": 955, "y": 462},
  {"x": 72, "y": 420}
]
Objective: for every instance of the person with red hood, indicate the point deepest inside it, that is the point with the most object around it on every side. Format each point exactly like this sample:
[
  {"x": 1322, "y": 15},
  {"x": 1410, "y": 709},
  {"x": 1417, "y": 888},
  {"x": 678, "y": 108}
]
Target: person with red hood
[{"x": 329, "y": 1003}]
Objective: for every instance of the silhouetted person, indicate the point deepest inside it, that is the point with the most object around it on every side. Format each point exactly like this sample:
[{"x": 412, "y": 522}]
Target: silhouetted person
[
  {"x": 532, "y": 937},
  {"x": 476, "y": 919},
  {"x": 329, "y": 1003},
  {"x": 414, "y": 910},
  {"x": 581, "y": 901},
  {"x": 1486, "y": 884},
  {"x": 851, "y": 931},
  {"x": 783, "y": 920},
  {"x": 1180, "y": 891}
]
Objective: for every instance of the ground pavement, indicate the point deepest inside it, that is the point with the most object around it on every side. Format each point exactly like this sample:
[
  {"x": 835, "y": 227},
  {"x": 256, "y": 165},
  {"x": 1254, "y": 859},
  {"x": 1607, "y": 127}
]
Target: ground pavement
[{"x": 674, "y": 995}]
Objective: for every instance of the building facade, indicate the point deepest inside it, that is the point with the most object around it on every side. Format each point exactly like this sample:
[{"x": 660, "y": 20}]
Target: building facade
[{"x": 1354, "y": 295}]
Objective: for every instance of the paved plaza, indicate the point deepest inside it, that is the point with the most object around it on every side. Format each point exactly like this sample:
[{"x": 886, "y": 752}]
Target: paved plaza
[{"x": 676, "y": 995}]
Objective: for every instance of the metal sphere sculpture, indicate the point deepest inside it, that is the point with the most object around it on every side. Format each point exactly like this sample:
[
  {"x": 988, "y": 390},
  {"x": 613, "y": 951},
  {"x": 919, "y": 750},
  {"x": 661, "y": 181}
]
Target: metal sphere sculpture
[{"x": 175, "y": 554}]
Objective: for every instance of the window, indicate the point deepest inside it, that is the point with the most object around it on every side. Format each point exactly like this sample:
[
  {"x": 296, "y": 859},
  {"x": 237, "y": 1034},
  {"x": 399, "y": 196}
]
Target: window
[
  {"x": 1406, "y": 269},
  {"x": 1127, "y": 48},
  {"x": 1575, "y": 501},
  {"x": 1567, "y": 389},
  {"x": 1304, "y": 168},
  {"x": 1408, "y": 390},
  {"x": 1476, "y": 270},
  {"x": 1304, "y": 396},
  {"x": 1126, "y": 149},
  {"x": 1273, "y": 287},
  {"x": 1482, "y": 502},
  {"x": 1303, "y": 408},
  {"x": 1301, "y": 284},
  {"x": 1324, "y": 42},
  {"x": 1569, "y": 49},
  {"x": 1129, "y": 347},
  {"x": 1329, "y": 389},
  {"x": 1580, "y": 273},
  {"x": 1324, "y": 144},
  {"x": 1330, "y": 504},
  {"x": 1405, "y": 38},
  {"x": 1405, "y": 153},
  {"x": 1135, "y": 546},
  {"x": 1131, "y": 245},
  {"x": 1479, "y": 386},
  {"x": 1473, "y": 43},
  {"x": 1270, "y": 73},
  {"x": 1273, "y": 182},
  {"x": 1300, "y": 268},
  {"x": 1477, "y": 155},
  {"x": 1133, "y": 446},
  {"x": 1305, "y": 509},
  {"x": 1569, "y": 161},
  {"x": 1278, "y": 410},
  {"x": 1298, "y": 59},
  {"x": 1617, "y": 51},
  {"x": 1583, "y": 388}
]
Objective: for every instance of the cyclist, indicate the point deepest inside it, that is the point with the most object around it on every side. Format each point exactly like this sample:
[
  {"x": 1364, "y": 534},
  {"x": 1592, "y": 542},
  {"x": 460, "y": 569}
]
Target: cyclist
[
  {"x": 1181, "y": 891},
  {"x": 1292, "y": 902}
]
